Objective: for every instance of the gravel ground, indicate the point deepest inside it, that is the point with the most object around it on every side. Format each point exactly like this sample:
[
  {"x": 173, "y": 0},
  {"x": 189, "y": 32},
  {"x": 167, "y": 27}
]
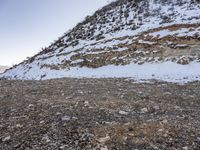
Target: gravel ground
[{"x": 102, "y": 114}]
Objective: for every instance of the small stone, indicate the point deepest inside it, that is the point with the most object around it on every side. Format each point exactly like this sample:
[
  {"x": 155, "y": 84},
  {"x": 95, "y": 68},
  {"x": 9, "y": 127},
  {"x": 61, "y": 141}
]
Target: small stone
[
  {"x": 19, "y": 125},
  {"x": 104, "y": 148},
  {"x": 63, "y": 146},
  {"x": 177, "y": 107},
  {"x": 164, "y": 121},
  {"x": 165, "y": 135},
  {"x": 121, "y": 112},
  {"x": 198, "y": 138},
  {"x": 86, "y": 103},
  {"x": 13, "y": 110},
  {"x": 156, "y": 107},
  {"x": 130, "y": 129},
  {"x": 41, "y": 122},
  {"x": 46, "y": 139},
  {"x": 58, "y": 113},
  {"x": 160, "y": 130},
  {"x": 144, "y": 110},
  {"x": 79, "y": 91},
  {"x": 125, "y": 138},
  {"x": 122, "y": 96},
  {"x": 74, "y": 118},
  {"x": 167, "y": 93},
  {"x": 183, "y": 61},
  {"x": 30, "y": 105},
  {"x": 66, "y": 118},
  {"x": 68, "y": 97},
  {"x": 104, "y": 139},
  {"x": 6, "y": 139},
  {"x": 185, "y": 148}
]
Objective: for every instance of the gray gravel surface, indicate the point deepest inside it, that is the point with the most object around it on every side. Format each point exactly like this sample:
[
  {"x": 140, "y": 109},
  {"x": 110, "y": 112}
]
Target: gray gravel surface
[{"x": 102, "y": 114}]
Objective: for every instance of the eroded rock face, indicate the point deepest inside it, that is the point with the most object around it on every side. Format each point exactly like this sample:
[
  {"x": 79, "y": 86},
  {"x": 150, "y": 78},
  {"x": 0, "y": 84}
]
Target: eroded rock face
[{"x": 99, "y": 114}]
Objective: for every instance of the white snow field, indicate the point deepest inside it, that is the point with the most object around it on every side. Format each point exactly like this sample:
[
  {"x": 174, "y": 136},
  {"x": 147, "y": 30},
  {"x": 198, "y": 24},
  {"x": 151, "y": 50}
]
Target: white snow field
[{"x": 166, "y": 71}]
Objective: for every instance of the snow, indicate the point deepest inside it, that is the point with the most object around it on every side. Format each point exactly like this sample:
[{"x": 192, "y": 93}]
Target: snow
[
  {"x": 179, "y": 33},
  {"x": 182, "y": 16},
  {"x": 146, "y": 42},
  {"x": 166, "y": 71},
  {"x": 3, "y": 68},
  {"x": 161, "y": 33}
]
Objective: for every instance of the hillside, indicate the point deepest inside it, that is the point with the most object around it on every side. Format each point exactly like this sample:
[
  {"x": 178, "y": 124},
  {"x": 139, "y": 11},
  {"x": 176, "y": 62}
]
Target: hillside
[{"x": 154, "y": 39}]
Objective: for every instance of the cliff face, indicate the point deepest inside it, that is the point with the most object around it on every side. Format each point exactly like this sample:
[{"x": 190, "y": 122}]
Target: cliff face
[{"x": 153, "y": 39}]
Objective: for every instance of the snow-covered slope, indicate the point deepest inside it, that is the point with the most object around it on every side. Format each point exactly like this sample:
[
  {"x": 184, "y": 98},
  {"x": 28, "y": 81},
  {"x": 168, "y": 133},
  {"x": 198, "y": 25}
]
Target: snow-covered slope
[
  {"x": 143, "y": 39},
  {"x": 3, "y": 68}
]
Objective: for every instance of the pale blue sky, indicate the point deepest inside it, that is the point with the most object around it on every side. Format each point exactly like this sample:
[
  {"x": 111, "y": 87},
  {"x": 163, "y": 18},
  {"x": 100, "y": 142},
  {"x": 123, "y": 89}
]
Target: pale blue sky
[{"x": 28, "y": 25}]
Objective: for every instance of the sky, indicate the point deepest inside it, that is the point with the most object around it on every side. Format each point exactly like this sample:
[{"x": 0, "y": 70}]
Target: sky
[{"x": 26, "y": 26}]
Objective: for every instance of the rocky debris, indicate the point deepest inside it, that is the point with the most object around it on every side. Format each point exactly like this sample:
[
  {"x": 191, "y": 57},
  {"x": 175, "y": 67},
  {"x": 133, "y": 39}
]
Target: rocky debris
[
  {"x": 185, "y": 148},
  {"x": 121, "y": 112},
  {"x": 183, "y": 61},
  {"x": 6, "y": 139},
  {"x": 144, "y": 110},
  {"x": 198, "y": 138},
  {"x": 66, "y": 118},
  {"x": 100, "y": 114},
  {"x": 156, "y": 107},
  {"x": 104, "y": 148},
  {"x": 104, "y": 139}
]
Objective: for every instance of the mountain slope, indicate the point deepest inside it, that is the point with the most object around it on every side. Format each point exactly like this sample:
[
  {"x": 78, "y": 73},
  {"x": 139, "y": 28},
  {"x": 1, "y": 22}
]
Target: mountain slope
[
  {"x": 3, "y": 68},
  {"x": 154, "y": 39}
]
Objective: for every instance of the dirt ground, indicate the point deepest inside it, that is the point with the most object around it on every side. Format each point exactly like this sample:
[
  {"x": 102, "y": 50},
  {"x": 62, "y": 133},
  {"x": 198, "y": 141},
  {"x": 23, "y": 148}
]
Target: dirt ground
[{"x": 102, "y": 114}]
